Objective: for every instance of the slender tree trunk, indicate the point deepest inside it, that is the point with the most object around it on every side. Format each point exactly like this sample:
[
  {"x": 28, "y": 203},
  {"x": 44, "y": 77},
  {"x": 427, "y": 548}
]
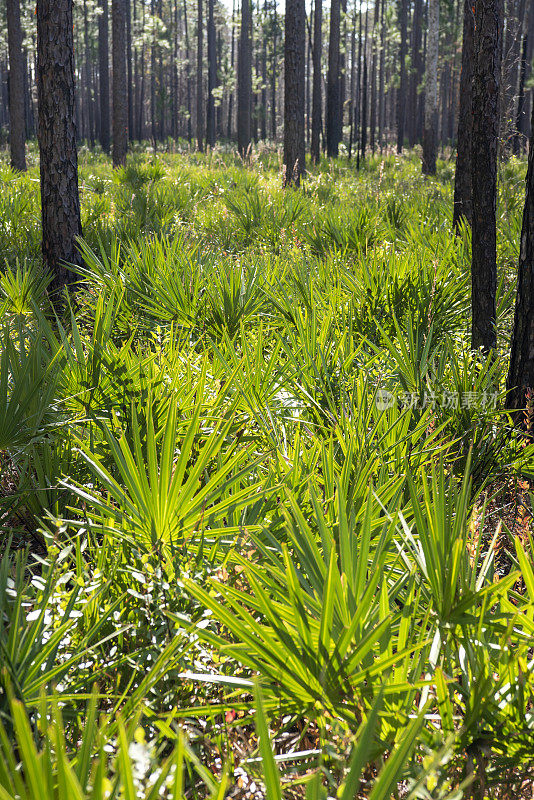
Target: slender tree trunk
[
  {"x": 120, "y": 85},
  {"x": 129, "y": 68},
  {"x": 212, "y": 77},
  {"x": 401, "y": 95},
  {"x": 520, "y": 383},
  {"x": 462, "y": 180},
  {"x": 364, "y": 91},
  {"x": 87, "y": 81},
  {"x": 430, "y": 133},
  {"x": 372, "y": 72},
  {"x": 103, "y": 60},
  {"x": 523, "y": 105},
  {"x": 342, "y": 66},
  {"x": 17, "y": 122},
  {"x": 60, "y": 202},
  {"x": 294, "y": 61},
  {"x": 381, "y": 78},
  {"x": 333, "y": 122},
  {"x": 264, "y": 73},
  {"x": 161, "y": 83},
  {"x": 244, "y": 81},
  {"x": 200, "y": 85},
  {"x": 352, "y": 83},
  {"x": 416, "y": 70},
  {"x": 188, "y": 76},
  {"x": 486, "y": 88},
  {"x": 153, "y": 78},
  {"x": 273, "y": 76},
  {"x": 232, "y": 62},
  {"x": 315, "y": 150}
]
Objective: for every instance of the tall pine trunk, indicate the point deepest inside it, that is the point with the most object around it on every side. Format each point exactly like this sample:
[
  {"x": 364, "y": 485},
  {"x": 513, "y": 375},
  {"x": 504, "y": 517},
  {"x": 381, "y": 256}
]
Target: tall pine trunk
[
  {"x": 212, "y": 77},
  {"x": 333, "y": 115},
  {"x": 401, "y": 94},
  {"x": 120, "y": 85},
  {"x": 520, "y": 383},
  {"x": 486, "y": 89},
  {"x": 200, "y": 84},
  {"x": 244, "y": 81},
  {"x": 462, "y": 180},
  {"x": 17, "y": 122},
  {"x": 430, "y": 132},
  {"x": 87, "y": 77},
  {"x": 60, "y": 201},
  {"x": 103, "y": 69},
  {"x": 294, "y": 68},
  {"x": 315, "y": 149}
]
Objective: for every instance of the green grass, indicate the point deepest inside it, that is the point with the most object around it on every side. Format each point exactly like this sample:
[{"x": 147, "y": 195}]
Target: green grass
[{"x": 265, "y": 490}]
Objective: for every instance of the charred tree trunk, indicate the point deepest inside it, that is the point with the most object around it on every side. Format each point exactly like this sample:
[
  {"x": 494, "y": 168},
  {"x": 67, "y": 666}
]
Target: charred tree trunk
[
  {"x": 244, "y": 81},
  {"x": 200, "y": 85},
  {"x": 60, "y": 202},
  {"x": 294, "y": 61},
  {"x": 232, "y": 61},
  {"x": 103, "y": 68},
  {"x": 416, "y": 69},
  {"x": 315, "y": 149},
  {"x": 333, "y": 121},
  {"x": 401, "y": 95},
  {"x": 486, "y": 88},
  {"x": 520, "y": 383},
  {"x": 462, "y": 179},
  {"x": 129, "y": 68},
  {"x": 188, "y": 76},
  {"x": 120, "y": 86},
  {"x": 17, "y": 122},
  {"x": 212, "y": 77},
  {"x": 430, "y": 133}
]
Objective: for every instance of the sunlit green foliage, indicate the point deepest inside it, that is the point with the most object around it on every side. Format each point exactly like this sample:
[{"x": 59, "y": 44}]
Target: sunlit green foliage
[{"x": 260, "y": 477}]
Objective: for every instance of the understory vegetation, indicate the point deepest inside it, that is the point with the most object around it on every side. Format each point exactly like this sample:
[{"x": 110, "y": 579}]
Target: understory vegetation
[{"x": 266, "y": 521}]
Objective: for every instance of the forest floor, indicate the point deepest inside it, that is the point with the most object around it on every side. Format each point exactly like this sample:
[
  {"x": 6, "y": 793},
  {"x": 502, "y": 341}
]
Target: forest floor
[{"x": 267, "y": 483}]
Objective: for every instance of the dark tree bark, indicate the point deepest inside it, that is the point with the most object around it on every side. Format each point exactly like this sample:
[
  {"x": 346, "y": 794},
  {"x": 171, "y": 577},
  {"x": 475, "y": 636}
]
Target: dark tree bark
[
  {"x": 129, "y": 68},
  {"x": 294, "y": 61},
  {"x": 417, "y": 68},
  {"x": 264, "y": 73},
  {"x": 17, "y": 122},
  {"x": 381, "y": 78},
  {"x": 120, "y": 84},
  {"x": 244, "y": 81},
  {"x": 462, "y": 179},
  {"x": 363, "y": 135},
  {"x": 353, "y": 89},
  {"x": 520, "y": 383},
  {"x": 342, "y": 67},
  {"x": 273, "y": 76},
  {"x": 315, "y": 149},
  {"x": 87, "y": 77},
  {"x": 200, "y": 85},
  {"x": 153, "y": 79},
  {"x": 430, "y": 133},
  {"x": 232, "y": 61},
  {"x": 212, "y": 77},
  {"x": 103, "y": 69},
  {"x": 486, "y": 87},
  {"x": 401, "y": 94},
  {"x": 188, "y": 75},
  {"x": 524, "y": 99},
  {"x": 60, "y": 202},
  {"x": 333, "y": 116},
  {"x": 372, "y": 72}
]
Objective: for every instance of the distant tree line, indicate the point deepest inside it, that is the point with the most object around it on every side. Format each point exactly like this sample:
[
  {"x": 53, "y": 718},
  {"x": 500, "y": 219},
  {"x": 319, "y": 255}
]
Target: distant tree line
[{"x": 387, "y": 72}]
